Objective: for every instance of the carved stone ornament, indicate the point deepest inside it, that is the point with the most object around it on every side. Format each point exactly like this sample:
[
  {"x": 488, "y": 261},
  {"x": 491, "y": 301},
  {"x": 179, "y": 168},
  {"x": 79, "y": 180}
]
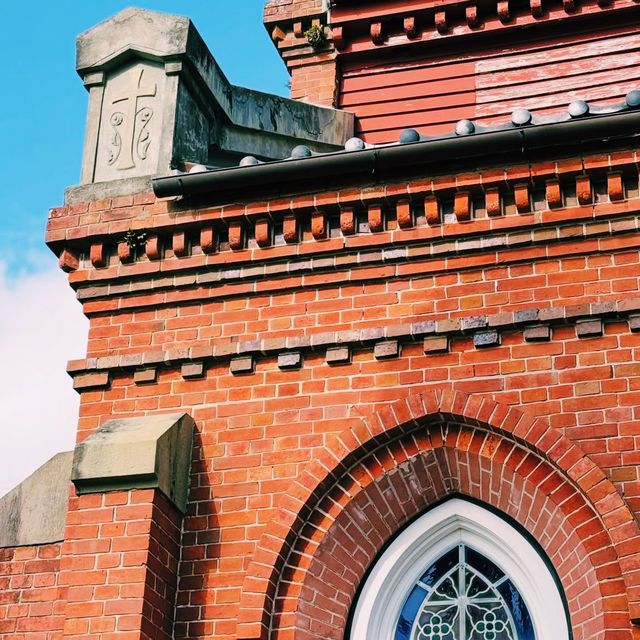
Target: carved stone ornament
[{"x": 130, "y": 125}]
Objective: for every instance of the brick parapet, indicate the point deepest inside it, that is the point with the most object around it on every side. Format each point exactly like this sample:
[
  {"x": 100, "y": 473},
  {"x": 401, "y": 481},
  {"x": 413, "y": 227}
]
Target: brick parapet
[
  {"x": 413, "y": 211},
  {"x": 313, "y": 68},
  {"x": 118, "y": 215},
  {"x": 399, "y": 23}
]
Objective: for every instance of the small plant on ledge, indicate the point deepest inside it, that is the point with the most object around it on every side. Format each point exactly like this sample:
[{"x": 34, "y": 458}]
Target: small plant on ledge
[
  {"x": 136, "y": 239},
  {"x": 316, "y": 36}
]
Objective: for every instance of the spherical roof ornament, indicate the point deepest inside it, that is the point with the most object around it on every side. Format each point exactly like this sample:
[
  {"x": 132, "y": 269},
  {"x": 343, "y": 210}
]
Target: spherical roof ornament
[
  {"x": 248, "y": 161},
  {"x": 520, "y": 117},
  {"x": 408, "y": 135},
  {"x": 578, "y": 108},
  {"x": 464, "y": 127},
  {"x": 354, "y": 144},
  {"x": 633, "y": 99},
  {"x": 197, "y": 168},
  {"x": 301, "y": 151}
]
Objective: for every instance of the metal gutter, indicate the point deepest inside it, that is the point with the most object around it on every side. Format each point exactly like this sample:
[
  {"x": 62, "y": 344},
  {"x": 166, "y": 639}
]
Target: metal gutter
[{"x": 376, "y": 162}]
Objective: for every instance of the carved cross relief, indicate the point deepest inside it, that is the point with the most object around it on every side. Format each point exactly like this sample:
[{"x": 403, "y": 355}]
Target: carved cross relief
[
  {"x": 130, "y": 132},
  {"x": 130, "y": 125}
]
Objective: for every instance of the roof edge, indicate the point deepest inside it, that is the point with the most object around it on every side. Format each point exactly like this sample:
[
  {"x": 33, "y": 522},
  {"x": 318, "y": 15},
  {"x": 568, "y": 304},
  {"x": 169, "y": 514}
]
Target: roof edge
[{"x": 377, "y": 162}]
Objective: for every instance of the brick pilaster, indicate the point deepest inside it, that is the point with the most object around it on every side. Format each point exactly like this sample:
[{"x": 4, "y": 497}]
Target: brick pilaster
[{"x": 119, "y": 562}]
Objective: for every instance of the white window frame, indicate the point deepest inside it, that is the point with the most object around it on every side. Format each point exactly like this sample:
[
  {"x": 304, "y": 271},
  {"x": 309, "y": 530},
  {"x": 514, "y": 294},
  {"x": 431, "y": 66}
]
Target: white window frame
[{"x": 456, "y": 521}]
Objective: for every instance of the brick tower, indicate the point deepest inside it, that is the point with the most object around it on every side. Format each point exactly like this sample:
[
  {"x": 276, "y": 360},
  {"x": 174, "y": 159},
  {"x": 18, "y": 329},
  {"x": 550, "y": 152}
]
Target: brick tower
[{"x": 363, "y": 364}]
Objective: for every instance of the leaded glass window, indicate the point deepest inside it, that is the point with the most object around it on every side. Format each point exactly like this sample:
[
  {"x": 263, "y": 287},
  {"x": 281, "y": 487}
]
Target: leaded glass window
[
  {"x": 460, "y": 571},
  {"x": 464, "y": 596}
]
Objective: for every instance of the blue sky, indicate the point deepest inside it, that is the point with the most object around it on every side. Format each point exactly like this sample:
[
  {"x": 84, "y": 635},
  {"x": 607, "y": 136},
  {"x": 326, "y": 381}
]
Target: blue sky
[
  {"x": 42, "y": 121},
  {"x": 42, "y": 113}
]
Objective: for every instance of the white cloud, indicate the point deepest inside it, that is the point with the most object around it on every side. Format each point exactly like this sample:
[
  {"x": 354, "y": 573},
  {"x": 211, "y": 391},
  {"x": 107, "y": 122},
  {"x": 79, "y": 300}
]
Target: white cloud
[{"x": 41, "y": 327}]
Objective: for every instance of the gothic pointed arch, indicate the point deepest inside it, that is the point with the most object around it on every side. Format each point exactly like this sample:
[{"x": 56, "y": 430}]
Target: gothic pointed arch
[
  {"x": 377, "y": 475},
  {"x": 460, "y": 570}
]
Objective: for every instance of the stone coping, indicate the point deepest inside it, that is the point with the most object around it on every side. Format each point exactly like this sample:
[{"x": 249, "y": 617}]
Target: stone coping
[
  {"x": 145, "y": 452},
  {"x": 34, "y": 512}
]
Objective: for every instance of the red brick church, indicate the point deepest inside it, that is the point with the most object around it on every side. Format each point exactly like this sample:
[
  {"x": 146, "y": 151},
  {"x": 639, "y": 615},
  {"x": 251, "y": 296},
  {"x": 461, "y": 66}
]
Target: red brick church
[{"x": 363, "y": 364}]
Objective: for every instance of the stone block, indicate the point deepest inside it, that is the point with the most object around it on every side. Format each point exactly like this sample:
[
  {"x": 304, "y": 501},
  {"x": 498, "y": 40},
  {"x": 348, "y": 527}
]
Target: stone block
[
  {"x": 338, "y": 355},
  {"x": 145, "y": 376},
  {"x": 551, "y": 313},
  {"x": 153, "y": 357},
  {"x": 589, "y": 328},
  {"x": 526, "y": 315},
  {"x": 298, "y": 342},
  {"x": 270, "y": 345},
  {"x": 131, "y": 359},
  {"x": 371, "y": 334},
  {"x": 436, "y": 344},
  {"x": 448, "y": 325},
  {"x": 628, "y": 304},
  {"x": 291, "y": 360},
  {"x": 501, "y": 319},
  {"x": 94, "y": 380},
  {"x": 575, "y": 311},
  {"x": 149, "y": 452},
  {"x": 322, "y": 339},
  {"x": 634, "y": 322},
  {"x": 243, "y": 364},
  {"x": 192, "y": 370},
  {"x": 398, "y": 331},
  {"x": 601, "y": 308},
  {"x": 346, "y": 336},
  {"x": 34, "y": 512},
  {"x": 489, "y": 338},
  {"x": 386, "y": 349},
  {"x": 423, "y": 328},
  {"x": 249, "y": 346},
  {"x": 473, "y": 322},
  {"x": 539, "y": 333}
]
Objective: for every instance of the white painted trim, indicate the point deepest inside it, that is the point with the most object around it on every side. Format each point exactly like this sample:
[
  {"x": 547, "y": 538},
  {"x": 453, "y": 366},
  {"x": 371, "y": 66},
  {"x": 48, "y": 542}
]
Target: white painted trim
[{"x": 454, "y": 522}]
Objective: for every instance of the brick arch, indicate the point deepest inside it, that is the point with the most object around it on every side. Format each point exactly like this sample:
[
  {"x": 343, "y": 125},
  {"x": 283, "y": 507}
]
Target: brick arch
[{"x": 281, "y": 568}]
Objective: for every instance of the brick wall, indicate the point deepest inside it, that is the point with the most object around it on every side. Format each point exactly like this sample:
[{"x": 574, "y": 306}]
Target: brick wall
[
  {"x": 287, "y": 328},
  {"x": 119, "y": 563},
  {"x": 31, "y": 594}
]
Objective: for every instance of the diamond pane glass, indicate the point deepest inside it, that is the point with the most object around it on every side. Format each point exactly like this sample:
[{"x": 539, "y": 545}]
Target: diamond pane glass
[{"x": 464, "y": 596}]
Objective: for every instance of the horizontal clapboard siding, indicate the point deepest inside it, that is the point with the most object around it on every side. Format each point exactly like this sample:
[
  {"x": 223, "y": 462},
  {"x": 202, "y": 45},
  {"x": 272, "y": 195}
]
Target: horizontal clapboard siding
[{"x": 432, "y": 95}]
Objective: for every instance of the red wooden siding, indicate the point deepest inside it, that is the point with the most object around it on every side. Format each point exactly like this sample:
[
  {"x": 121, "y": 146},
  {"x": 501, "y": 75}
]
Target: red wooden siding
[{"x": 432, "y": 94}]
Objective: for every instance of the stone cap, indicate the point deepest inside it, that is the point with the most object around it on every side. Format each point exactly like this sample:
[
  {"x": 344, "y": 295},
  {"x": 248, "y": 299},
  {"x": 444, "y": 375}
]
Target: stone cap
[
  {"x": 34, "y": 512},
  {"x": 151, "y": 34},
  {"x": 147, "y": 452}
]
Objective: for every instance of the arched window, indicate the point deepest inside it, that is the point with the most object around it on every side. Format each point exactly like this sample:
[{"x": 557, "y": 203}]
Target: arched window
[{"x": 460, "y": 572}]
